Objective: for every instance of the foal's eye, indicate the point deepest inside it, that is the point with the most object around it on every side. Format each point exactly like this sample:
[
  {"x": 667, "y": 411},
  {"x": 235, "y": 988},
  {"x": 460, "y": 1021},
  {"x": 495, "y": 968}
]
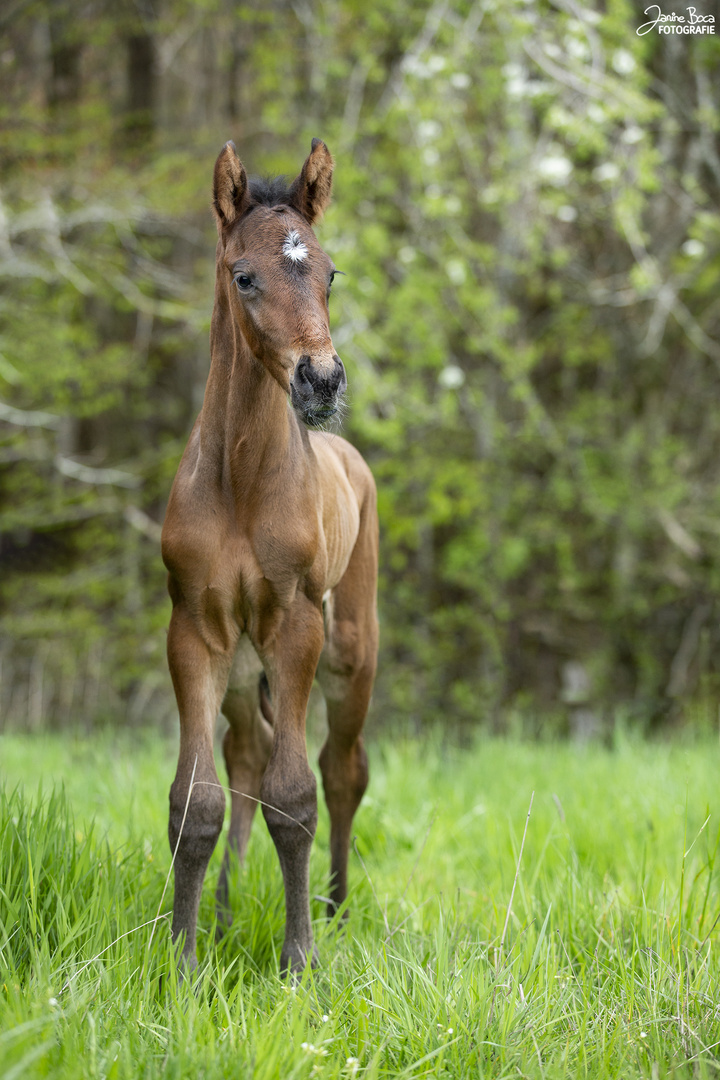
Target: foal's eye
[{"x": 243, "y": 282}]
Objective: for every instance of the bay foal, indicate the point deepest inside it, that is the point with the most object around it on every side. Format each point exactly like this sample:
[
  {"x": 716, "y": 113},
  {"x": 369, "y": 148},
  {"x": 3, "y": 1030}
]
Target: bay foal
[{"x": 271, "y": 543}]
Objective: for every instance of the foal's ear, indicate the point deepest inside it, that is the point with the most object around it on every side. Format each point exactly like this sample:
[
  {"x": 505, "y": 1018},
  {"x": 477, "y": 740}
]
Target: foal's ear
[
  {"x": 310, "y": 192},
  {"x": 230, "y": 186}
]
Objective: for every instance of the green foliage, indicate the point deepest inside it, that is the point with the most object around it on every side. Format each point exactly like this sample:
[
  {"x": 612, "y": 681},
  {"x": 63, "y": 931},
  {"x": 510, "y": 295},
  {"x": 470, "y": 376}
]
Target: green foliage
[
  {"x": 526, "y": 210},
  {"x": 586, "y": 944}
]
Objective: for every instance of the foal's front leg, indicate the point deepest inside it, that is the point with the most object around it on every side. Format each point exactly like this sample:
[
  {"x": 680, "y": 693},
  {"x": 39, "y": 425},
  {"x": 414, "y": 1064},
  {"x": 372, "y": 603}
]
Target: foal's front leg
[
  {"x": 196, "y": 816},
  {"x": 246, "y": 748},
  {"x": 289, "y": 789}
]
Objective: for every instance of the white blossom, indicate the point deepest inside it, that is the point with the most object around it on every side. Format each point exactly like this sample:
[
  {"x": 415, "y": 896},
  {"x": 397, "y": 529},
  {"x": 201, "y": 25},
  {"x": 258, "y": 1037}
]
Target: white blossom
[
  {"x": 428, "y": 131},
  {"x": 555, "y": 168},
  {"x": 451, "y": 377},
  {"x": 456, "y": 271},
  {"x": 623, "y": 62},
  {"x": 606, "y": 171},
  {"x": 576, "y": 48},
  {"x": 632, "y": 134},
  {"x": 693, "y": 248}
]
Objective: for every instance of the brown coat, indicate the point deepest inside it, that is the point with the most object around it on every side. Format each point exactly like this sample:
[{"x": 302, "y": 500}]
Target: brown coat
[{"x": 271, "y": 543}]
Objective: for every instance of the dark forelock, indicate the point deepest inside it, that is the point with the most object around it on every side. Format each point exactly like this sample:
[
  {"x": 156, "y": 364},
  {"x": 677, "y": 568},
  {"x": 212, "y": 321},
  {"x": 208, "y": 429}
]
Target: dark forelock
[{"x": 267, "y": 191}]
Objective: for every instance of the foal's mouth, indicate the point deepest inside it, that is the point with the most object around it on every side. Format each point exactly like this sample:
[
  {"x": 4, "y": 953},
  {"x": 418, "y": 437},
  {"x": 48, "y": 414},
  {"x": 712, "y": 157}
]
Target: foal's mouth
[{"x": 315, "y": 413}]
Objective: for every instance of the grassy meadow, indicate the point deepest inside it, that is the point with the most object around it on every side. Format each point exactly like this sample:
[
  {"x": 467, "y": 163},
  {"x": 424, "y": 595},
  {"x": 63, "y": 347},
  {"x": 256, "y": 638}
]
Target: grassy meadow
[{"x": 589, "y": 950}]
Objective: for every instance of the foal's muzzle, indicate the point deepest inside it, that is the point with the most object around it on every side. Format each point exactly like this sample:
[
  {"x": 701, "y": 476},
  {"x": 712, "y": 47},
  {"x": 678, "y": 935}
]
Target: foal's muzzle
[{"x": 316, "y": 394}]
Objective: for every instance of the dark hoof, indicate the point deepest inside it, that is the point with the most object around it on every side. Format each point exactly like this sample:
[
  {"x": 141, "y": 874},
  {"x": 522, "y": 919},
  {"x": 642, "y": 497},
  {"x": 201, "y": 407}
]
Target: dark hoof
[
  {"x": 294, "y": 960},
  {"x": 185, "y": 960},
  {"x": 187, "y": 972}
]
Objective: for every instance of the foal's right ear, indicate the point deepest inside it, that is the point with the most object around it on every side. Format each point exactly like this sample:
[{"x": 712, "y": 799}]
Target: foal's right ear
[{"x": 230, "y": 186}]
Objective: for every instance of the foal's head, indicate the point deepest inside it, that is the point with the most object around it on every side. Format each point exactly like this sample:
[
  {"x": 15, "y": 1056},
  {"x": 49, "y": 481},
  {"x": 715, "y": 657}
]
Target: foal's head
[{"x": 276, "y": 278}]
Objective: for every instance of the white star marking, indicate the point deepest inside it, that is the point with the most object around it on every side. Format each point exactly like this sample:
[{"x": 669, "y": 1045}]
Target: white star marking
[{"x": 293, "y": 248}]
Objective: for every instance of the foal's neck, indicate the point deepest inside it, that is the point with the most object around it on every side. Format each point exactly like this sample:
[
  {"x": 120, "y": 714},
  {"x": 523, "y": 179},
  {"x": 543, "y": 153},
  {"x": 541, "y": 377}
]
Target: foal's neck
[{"x": 246, "y": 428}]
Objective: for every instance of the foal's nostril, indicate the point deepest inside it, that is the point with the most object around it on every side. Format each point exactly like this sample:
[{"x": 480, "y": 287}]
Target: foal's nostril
[
  {"x": 304, "y": 379},
  {"x": 338, "y": 376}
]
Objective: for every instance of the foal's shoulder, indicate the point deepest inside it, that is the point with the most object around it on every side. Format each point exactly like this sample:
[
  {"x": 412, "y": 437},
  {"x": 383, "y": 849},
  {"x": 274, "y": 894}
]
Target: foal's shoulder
[
  {"x": 351, "y": 460},
  {"x": 341, "y": 448}
]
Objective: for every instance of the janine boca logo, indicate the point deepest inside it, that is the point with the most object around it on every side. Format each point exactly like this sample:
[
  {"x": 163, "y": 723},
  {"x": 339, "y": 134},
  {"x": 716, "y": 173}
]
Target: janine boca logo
[{"x": 693, "y": 22}]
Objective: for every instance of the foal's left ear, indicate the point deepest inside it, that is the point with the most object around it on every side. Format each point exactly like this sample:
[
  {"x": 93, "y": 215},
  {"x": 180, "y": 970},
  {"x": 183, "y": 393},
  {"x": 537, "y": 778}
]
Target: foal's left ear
[{"x": 310, "y": 192}]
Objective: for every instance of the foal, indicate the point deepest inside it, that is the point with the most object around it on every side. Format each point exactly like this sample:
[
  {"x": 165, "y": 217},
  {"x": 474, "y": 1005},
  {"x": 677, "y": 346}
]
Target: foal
[{"x": 271, "y": 544}]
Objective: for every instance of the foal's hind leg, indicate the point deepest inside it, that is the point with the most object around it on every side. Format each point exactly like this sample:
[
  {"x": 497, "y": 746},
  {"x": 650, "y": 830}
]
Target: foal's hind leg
[
  {"x": 246, "y": 748},
  {"x": 346, "y": 674}
]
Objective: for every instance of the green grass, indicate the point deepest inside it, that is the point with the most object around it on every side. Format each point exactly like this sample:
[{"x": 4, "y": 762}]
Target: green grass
[{"x": 608, "y": 968}]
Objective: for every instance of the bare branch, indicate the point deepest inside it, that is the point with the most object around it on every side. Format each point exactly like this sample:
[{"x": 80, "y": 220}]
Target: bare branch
[
  {"x": 143, "y": 523},
  {"x": 88, "y": 475},
  {"x": 433, "y": 22},
  {"x": 28, "y": 417},
  {"x": 679, "y": 535},
  {"x": 598, "y": 60},
  {"x": 695, "y": 332}
]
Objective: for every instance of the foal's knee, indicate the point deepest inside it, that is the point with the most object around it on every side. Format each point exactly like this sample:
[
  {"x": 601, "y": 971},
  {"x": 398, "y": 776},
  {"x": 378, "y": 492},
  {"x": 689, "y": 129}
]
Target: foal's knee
[
  {"x": 195, "y": 825},
  {"x": 289, "y": 805}
]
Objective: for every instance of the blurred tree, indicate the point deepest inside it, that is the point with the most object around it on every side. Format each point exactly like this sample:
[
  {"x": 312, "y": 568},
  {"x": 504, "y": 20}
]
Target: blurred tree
[
  {"x": 141, "y": 75},
  {"x": 526, "y": 209},
  {"x": 64, "y": 78}
]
